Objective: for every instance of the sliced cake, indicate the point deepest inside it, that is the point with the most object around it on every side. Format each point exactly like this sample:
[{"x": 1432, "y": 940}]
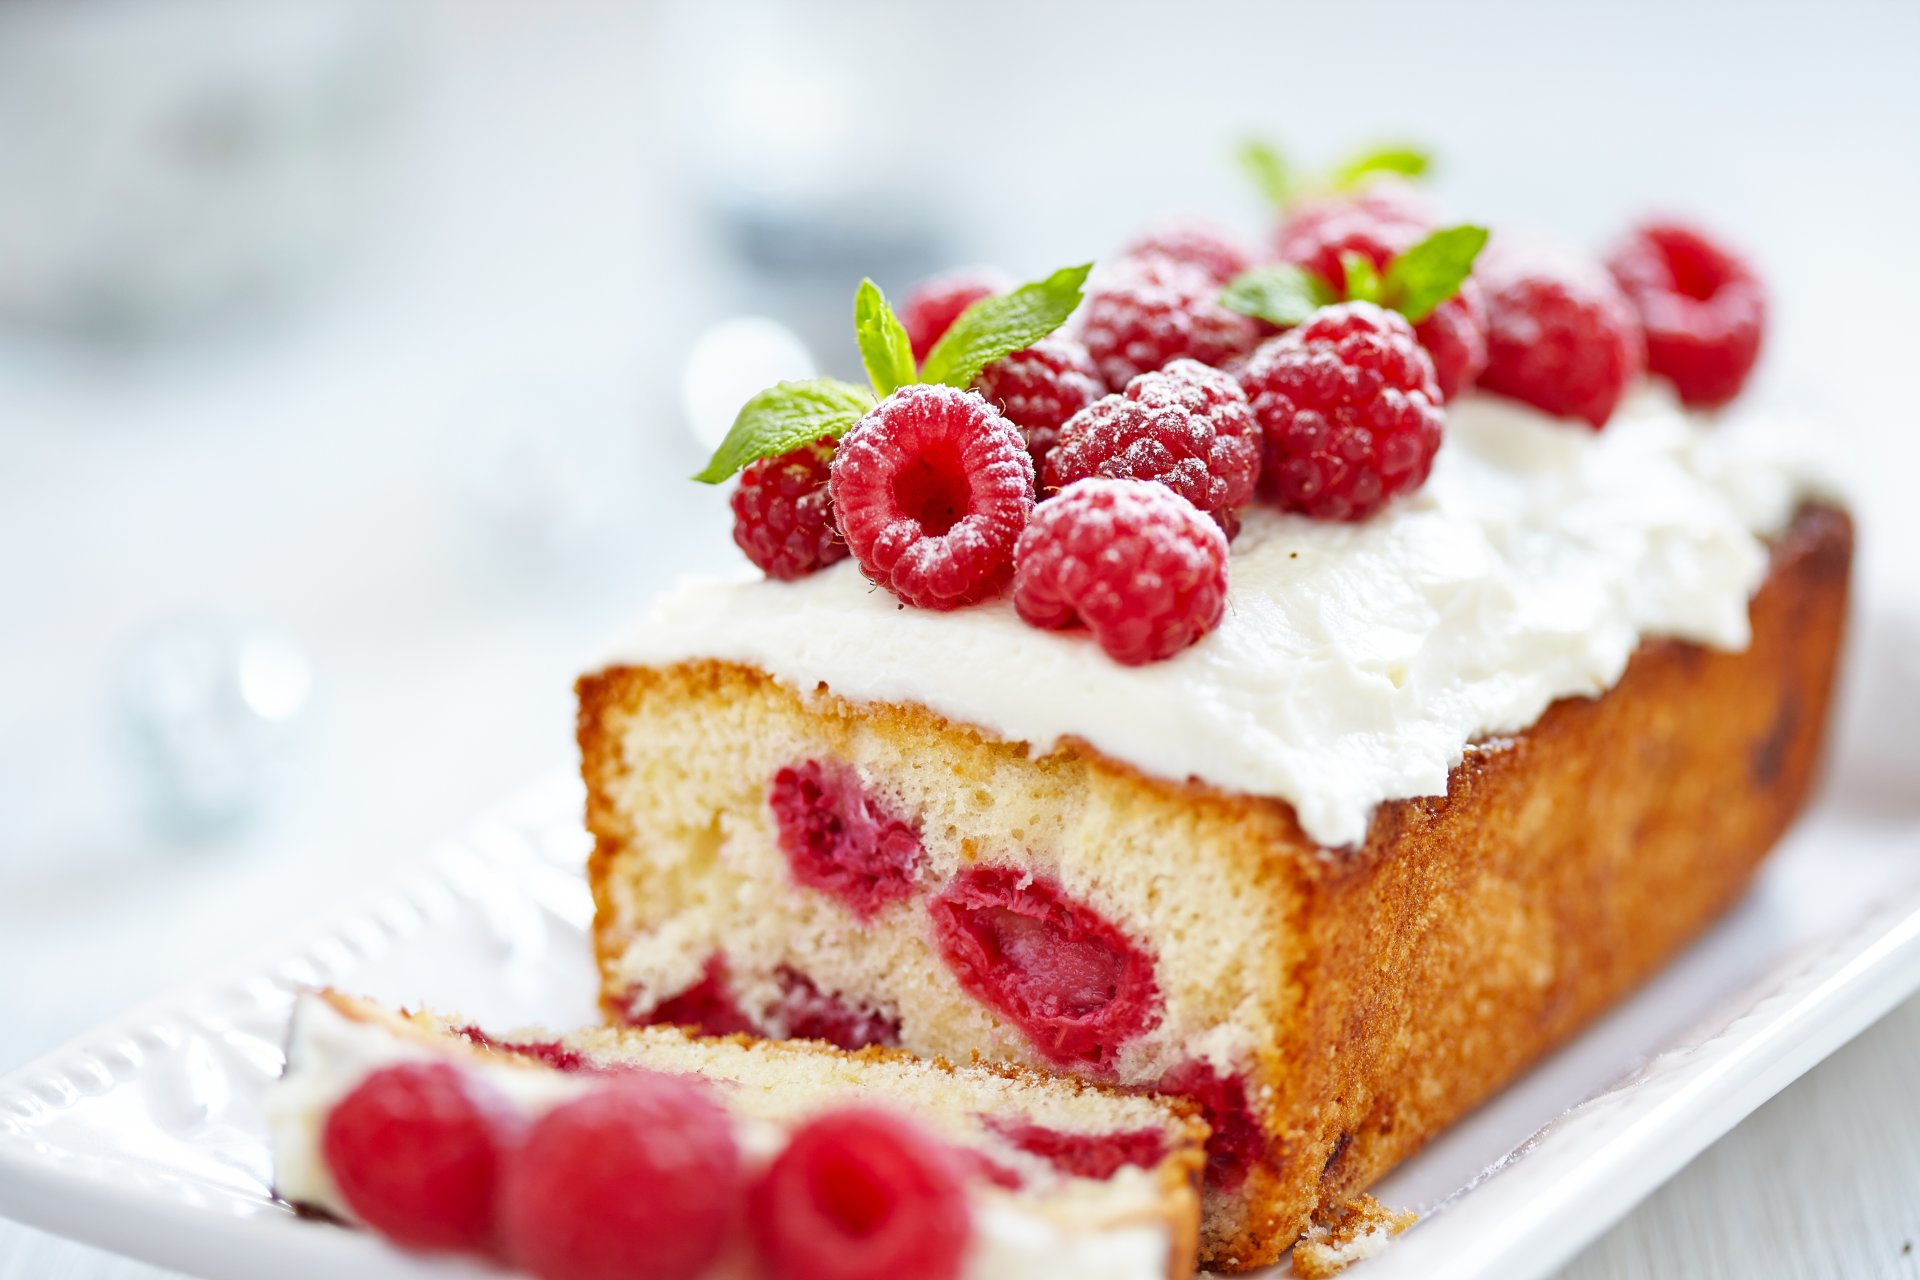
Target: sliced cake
[{"x": 652, "y": 1152}]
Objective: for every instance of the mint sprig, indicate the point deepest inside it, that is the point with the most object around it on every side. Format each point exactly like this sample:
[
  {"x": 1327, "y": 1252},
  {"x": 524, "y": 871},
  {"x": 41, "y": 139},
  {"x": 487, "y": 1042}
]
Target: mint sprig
[
  {"x": 885, "y": 349},
  {"x": 1414, "y": 283},
  {"x": 791, "y": 414},
  {"x": 1279, "y": 293},
  {"x": 1285, "y": 184},
  {"x": 998, "y": 326},
  {"x": 784, "y": 417}
]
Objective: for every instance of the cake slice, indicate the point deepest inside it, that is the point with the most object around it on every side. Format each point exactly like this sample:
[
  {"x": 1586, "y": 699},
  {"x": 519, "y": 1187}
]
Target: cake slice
[
  {"x": 1441, "y": 787},
  {"x": 1054, "y": 1175}
]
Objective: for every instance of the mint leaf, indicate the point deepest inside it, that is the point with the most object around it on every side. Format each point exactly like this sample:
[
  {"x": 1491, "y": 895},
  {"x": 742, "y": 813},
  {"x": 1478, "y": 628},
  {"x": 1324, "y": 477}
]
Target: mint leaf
[
  {"x": 1432, "y": 271},
  {"x": 885, "y": 349},
  {"x": 1363, "y": 280},
  {"x": 1003, "y": 324},
  {"x": 1270, "y": 171},
  {"x": 784, "y": 417},
  {"x": 1281, "y": 294},
  {"x": 1408, "y": 162}
]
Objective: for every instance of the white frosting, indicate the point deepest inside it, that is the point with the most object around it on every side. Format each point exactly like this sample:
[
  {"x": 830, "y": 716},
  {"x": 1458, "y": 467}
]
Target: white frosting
[
  {"x": 329, "y": 1053},
  {"x": 1356, "y": 662}
]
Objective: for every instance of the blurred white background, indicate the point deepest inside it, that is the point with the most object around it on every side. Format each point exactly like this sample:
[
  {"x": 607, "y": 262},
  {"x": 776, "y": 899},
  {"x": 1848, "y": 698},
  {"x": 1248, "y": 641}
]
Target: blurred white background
[{"x": 365, "y": 325}]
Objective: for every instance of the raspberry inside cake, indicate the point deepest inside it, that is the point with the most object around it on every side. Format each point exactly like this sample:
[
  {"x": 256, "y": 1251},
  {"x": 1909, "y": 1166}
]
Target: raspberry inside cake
[
  {"x": 1441, "y": 786},
  {"x": 1046, "y": 1173}
]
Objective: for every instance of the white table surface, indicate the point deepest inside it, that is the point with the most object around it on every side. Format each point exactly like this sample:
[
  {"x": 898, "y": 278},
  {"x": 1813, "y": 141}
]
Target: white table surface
[{"x": 543, "y": 230}]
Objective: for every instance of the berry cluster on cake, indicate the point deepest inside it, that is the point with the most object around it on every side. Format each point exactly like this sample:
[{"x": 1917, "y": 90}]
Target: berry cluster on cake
[
  {"x": 1310, "y": 680},
  {"x": 652, "y": 1153}
]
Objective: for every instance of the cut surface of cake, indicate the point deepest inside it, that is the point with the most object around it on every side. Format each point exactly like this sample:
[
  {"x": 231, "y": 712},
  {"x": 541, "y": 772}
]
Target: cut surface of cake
[
  {"x": 1055, "y": 1177},
  {"x": 1440, "y": 787}
]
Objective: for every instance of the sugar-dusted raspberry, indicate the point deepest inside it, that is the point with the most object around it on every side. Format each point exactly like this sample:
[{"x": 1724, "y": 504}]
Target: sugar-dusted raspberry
[
  {"x": 415, "y": 1150},
  {"x": 1384, "y": 203},
  {"x": 1454, "y": 333},
  {"x": 1560, "y": 334},
  {"x": 1702, "y": 308},
  {"x": 1350, "y": 411},
  {"x": 1060, "y": 971},
  {"x": 1039, "y": 388},
  {"x": 804, "y": 1012},
  {"x": 1148, "y": 311},
  {"x": 1237, "y": 1140},
  {"x": 932, "y": 487},
  {"x": 708, "y": 1006},
  {"x": 842, "y": 839},
  {"x": 1085, "y": 1155},
  {"x": 861, "y": 1194},
  {"x": 1201, "y": 242},
  {"x": 1187, "y": 426},
  {"x": 640, "y": 1177},
  {"x": 1136, "y": 564},
  {"x": 783, "y": 513},
  {"x": 936, "y": 302}
]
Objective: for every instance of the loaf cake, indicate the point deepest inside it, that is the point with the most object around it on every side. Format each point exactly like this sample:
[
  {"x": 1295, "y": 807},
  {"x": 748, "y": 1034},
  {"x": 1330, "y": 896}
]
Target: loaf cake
[
  {"x": 1055, "y": 1177},
  {"x": 1315, "y": 736}
]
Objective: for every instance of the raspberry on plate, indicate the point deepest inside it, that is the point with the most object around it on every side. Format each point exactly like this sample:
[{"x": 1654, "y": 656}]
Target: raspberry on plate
[
  {"x": 415, "y": 1150},
  {"x": 1349, "y": 409},
  {"x": 640, "y": 1177},
  {"x": 1138, "y": 565},
  {"x": 1187, "y": 426},
  {"x": 1039, "y": 388},
  {"x": 935, "y": 303},
  {"x": 1053, "y": 966},
  {"x": 1149, "y": 311},
  {"x": 1198, "y": 241},
  {"x": 1560, "y": 334},
  {"x": 1454, "y": 333},
  {"x": 783, "y": 513},
  {"x": 861, "y": 1194},
  {"x": 932, "y": 487},
  {"x": 1701, "y": 306}
]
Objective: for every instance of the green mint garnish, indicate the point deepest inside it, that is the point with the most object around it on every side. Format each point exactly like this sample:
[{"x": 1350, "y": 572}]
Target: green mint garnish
[
  {"x": 1281, "y": 294},
  {"x": 1432, "y": 271},
  {"x": 885, "y": 349},
  {"x": 1408, "y": 162},
  {"x": 1363, "y": 280},
  {"x": 784, "y": 417},
  {"x": 1264, "y": 163},
  {"x": 1000, "y": 325}
]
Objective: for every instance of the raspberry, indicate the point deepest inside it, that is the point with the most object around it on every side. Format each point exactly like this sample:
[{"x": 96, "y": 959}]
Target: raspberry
[
  {"x": 936, "y": 302},
  {"x": 1197, "y": 241},
  {"x": 783, "y": 513},
  {"x": 841, "y": 839},
  {"x": 1054, "y": 967},
  {"x": 1702, "y": 308},
  {"x": 708, "y": 1006},
  {"x": 805, "y": 1012},
  {"x": 1382, "y": 203},
  {"x": 1135, "y": 563},
  {"x": 933, "y": 486},
  {"x": 638, "y": 1178},
  {"x": 415, "y": 1150},
  {"x": 1186, "y": 425},
  {"x": 1040, "y": 388},
  {"x": 1149, "y": 311},
  {"x": 550, "y": 1053},
  {"x": 1454, "y": 333},
  {"x": 860, "y": 1194},
  {"x": 1237, "y": 1140},
  {"x": 1560, "y": 334},
  {"x": 1350, "y": 411},
  {"x": 1085, "y": 1155}
]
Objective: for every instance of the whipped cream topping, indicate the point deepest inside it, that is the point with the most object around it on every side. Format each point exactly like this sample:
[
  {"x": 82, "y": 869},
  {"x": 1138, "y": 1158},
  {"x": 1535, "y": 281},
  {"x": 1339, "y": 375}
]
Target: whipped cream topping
[
  {"x": 329, "y": 1053},
  {"x": 1356, "y": 663}
]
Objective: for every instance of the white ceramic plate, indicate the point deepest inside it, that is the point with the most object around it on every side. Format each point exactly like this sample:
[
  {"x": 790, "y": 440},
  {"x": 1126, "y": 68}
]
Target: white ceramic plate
[{"x": 145, "y": 1136}]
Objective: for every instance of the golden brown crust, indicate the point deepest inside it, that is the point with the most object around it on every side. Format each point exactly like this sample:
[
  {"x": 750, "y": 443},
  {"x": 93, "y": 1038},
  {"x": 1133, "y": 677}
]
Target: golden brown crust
[{"x": 1471, "y": 932}]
